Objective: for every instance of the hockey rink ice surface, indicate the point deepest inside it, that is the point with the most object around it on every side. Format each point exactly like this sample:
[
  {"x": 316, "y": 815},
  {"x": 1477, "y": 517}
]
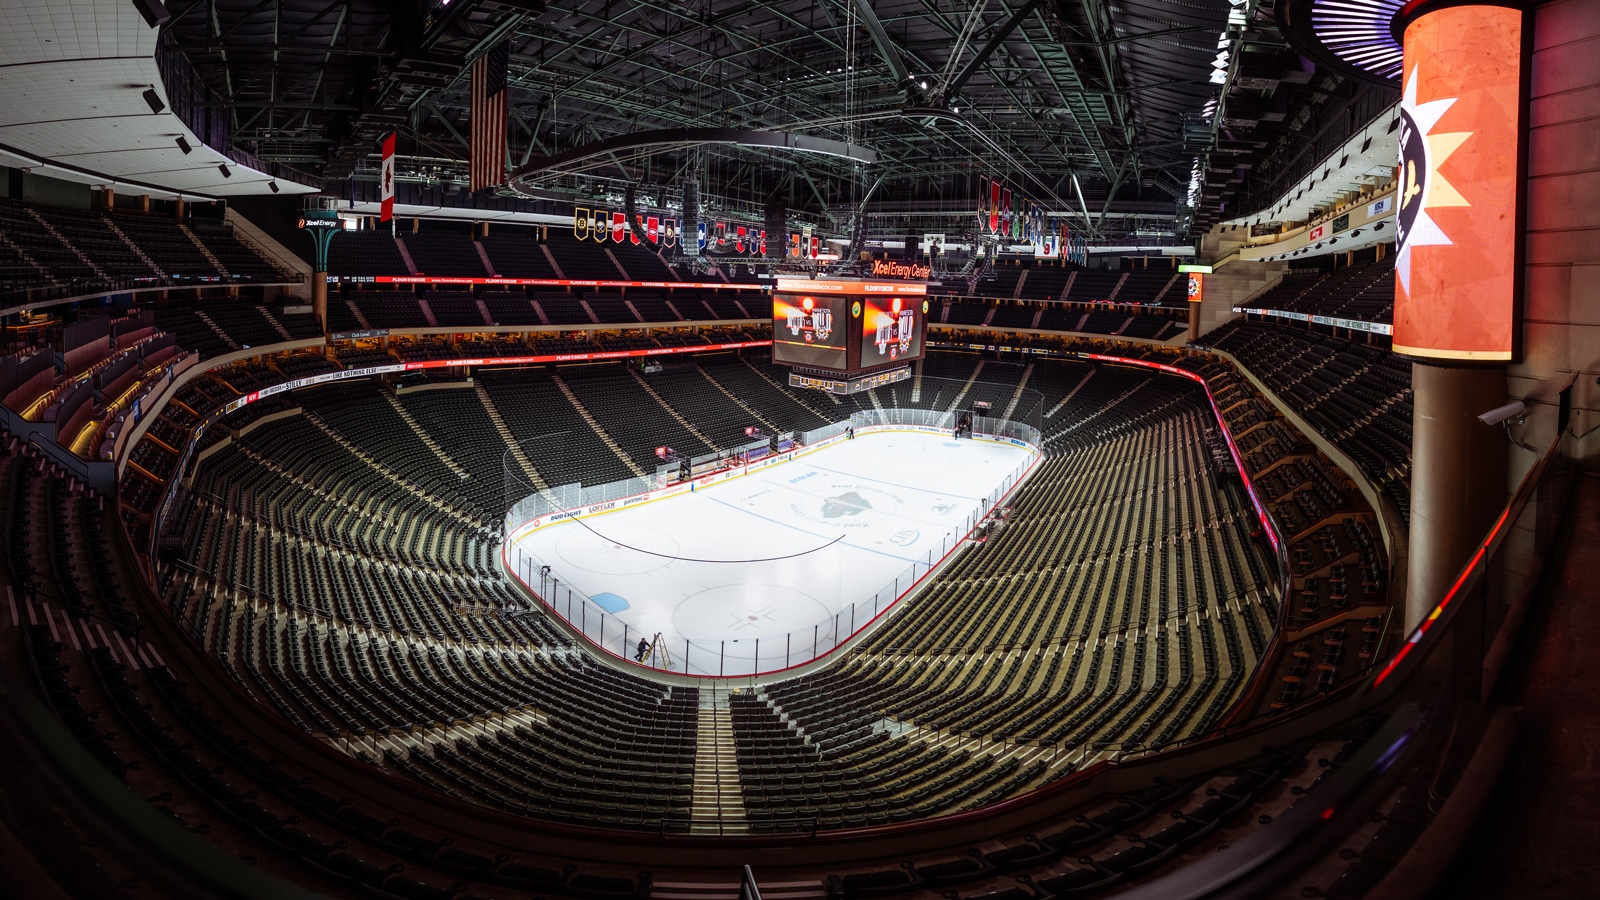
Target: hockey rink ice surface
[{"x": 853, "y": 516}]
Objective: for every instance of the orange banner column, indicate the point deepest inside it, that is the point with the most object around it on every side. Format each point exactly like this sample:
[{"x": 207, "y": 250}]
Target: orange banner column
[{"x": 1458, "y": 252}]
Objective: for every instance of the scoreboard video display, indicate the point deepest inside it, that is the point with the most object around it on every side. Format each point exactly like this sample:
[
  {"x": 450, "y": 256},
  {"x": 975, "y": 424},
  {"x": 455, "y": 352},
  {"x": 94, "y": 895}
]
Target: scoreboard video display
[
  {"x": 891, "y": 329},
  {"x": 848, "y": 327},
  {"x": 809, "y": 330}
]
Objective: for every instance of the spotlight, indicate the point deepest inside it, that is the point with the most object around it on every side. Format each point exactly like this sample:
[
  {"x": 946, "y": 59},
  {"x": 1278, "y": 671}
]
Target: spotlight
[
  {"x": 1366, "y": 144},
  {"x": 154, "y": 99},
  {"x": 184, "y": 146},
  {"x": 1356, "y": 233},
  {"x": 1378, "y": 227},
  {"x": 273, "y": 186},
  {"x": 154, "y": 12},
  {"x": 224, "y": 170}
]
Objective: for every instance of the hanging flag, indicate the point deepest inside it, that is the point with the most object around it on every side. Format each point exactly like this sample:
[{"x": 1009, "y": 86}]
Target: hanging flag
[
  {"x": 794, "y": 245},
  {"x": 598, "y": 228},
  {"x": 763, "y": 250},
  {"x": 1005, "y": 214},
  {"x": 813, "y": 246},
  {"x": 487, "y": 163},
  {"x": 633, "y": 233},
  {"x": 700, "y": 236},
  {"x": 983, "y": 201},
  {"x": 738, "y": 243},
  {"x": 669, "y": 232},
  {"x": 652, "y": 227},
  {"x": 994, "y": 207},
  {"x": 580, "y": 223},
  {"x": 619, "y": 226},
  {"x": 387, "y": 187}
]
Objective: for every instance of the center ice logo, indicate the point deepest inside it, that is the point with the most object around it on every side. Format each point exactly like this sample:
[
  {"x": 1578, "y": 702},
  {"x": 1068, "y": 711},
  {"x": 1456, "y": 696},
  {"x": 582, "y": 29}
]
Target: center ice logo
[{"x": 846, "y": 504}]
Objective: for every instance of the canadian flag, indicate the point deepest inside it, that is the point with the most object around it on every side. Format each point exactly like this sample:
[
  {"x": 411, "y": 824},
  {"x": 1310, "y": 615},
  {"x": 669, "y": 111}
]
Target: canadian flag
[{"x": 387, "y": 186}]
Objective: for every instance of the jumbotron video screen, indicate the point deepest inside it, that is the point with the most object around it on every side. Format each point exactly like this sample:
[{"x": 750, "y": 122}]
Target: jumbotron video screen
[
  {"x": 809, "y": 330},
  {"x": 847, "y": 326},
  {"x": 891, "y": 329}
]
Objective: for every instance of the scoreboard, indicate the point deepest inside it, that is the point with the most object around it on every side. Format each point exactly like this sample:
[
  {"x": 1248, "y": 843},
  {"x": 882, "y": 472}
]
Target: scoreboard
[{"x": 833, "y": 328}]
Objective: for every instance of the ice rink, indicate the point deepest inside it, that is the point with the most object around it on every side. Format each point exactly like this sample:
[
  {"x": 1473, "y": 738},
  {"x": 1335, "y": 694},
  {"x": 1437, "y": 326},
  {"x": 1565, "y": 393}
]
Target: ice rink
[{"x": 798, "y": 554}]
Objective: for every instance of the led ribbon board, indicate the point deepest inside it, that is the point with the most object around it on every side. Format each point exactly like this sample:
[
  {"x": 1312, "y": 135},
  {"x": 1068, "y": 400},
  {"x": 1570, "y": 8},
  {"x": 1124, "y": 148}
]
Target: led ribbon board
[{"x": 1460, "y": 149}]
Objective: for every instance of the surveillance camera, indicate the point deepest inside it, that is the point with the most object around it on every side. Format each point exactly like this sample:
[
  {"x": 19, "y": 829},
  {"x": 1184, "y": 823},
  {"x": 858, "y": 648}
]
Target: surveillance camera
[{"x": 1500, "y": 414}]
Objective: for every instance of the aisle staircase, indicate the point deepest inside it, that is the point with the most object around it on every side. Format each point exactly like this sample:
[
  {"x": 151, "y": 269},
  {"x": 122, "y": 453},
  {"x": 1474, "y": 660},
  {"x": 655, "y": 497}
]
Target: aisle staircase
[
  {"x": 965, "y": 388},
  {"x": 687, "y": 425},
  {"x": 423, "y": 435},
  {"x": 1016, "y": 397},
  {"x": 511, "y": 442},
  {"x": 589, "y": 419},
  {"x": 204, "y": 250},
  {"x": 718, "y": 804}
]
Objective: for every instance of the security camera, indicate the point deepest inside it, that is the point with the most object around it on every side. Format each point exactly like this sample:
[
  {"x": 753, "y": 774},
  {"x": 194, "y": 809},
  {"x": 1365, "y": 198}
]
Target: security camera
[{"x": 1499, "y": 414}]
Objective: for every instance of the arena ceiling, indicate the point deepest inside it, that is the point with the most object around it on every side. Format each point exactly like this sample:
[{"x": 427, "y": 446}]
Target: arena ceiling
[{"x": 1093, "y": 109}]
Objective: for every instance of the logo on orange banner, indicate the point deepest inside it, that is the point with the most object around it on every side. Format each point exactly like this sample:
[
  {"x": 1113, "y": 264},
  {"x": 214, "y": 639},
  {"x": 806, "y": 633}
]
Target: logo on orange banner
[
  {"x": 1197, "y": 287},
  {"x": 1460, "y": 126}
]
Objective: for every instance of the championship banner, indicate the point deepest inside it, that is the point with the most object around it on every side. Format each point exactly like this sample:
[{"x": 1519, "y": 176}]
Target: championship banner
[
  {"x": 619, "y": 226},
  {"x": 994, "y": 207},
  {"x": 580, "y": 223},
  {"x": 387, "y": 186},
  {"x": 1460, "y": 153}
]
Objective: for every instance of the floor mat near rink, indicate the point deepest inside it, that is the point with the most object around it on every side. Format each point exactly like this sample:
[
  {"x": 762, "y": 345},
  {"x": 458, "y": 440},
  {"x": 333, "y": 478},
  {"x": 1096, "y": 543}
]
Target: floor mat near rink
[{"x": 846, "y": 520}]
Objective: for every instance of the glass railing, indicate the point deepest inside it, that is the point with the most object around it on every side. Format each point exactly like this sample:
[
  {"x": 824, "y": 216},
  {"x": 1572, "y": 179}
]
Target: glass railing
[{"x": 819, "y": 569}]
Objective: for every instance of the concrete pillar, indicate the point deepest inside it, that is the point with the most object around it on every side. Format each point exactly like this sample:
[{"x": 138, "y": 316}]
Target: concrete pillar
[
  {"x": 1458, "y": 467},
  {"x": 143, "y": 203},
  {"x": 178, "y": 210},
  {"x": 1194, "y": 322},
  {"x": 319, "y": 298},
  {"x": 108, "y": 199}
]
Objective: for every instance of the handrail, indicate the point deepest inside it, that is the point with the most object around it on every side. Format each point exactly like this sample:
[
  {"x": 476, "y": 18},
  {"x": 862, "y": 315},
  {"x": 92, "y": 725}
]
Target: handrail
[{"x": 1340, "y": 804}]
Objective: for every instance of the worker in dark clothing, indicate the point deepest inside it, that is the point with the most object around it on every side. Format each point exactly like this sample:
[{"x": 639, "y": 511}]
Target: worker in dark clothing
[{"x": 643, "y": 650}]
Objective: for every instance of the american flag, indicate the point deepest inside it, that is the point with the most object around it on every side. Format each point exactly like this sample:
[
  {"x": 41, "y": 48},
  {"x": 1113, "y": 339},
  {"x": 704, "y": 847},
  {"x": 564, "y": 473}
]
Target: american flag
[{"x": 487, "y": 166}]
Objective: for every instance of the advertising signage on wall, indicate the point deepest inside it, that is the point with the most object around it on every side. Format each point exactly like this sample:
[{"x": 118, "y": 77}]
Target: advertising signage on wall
[
  {"x": 1460, "y": 152},
  {"x": 541, "y": 282}
]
